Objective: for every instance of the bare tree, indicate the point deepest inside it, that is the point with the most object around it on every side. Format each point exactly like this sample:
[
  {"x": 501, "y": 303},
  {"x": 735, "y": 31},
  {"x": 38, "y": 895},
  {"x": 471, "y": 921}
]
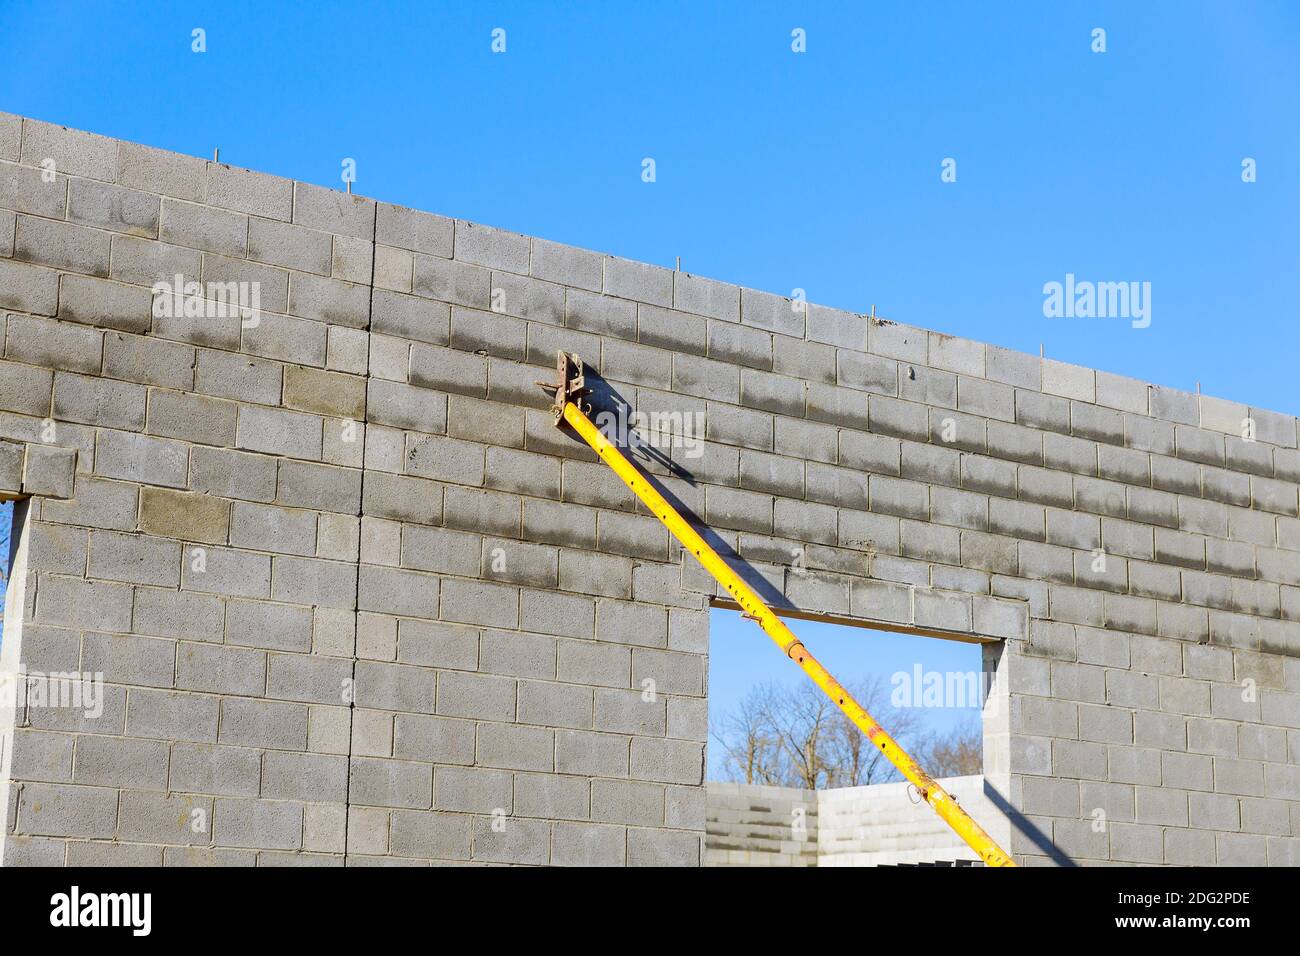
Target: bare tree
[
  {"x": 794, "y": 736},
  {"x": 856, "y": 759},
  {"x": 753, "y": 754},
  {"x": 958, "y": 753}
]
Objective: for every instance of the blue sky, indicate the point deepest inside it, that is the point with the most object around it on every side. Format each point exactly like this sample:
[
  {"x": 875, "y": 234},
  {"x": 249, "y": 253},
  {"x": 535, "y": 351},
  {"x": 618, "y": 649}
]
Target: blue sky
[{"x": 775, "y": 170}]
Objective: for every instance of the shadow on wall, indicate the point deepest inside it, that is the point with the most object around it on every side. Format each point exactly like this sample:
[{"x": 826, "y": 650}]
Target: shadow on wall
[{"x": 1027, "y": 827}]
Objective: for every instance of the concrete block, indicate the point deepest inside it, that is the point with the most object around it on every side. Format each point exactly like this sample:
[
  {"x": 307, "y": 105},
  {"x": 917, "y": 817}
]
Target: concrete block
[
  {"x": 411, "y": 229},
  {"x": 457, "y": 283},
  {"x": 477, "y": 696},
  {"x": 394, "y": 269},
  {"x": 288, "y": 246},
  {"x": 639, "y": 281},
  {"x": 263, "y": 824},
  {"x": 204, "y": 228},
  {"x": 156, "y": 170},
  {"x": 434, "y": 739},
  {"x": 706, "y": 297},
  {"x": 587, "y": 844},
  {"x": 243, "y": 190},
  {"x": 329, "y": 300},
  {"x": 63, "y": 810},
  {"x": 662, "y": 848},
  {"x": 11, "y": 134},
  {"x": 513, "y": 747},
  {"x": 494, "y": 248},
  {"x": 113, "y": 207},
  {"x": 410, "y": 317},
  {"x": 185, "y": 515},
  {"x": 438, "y": 836},
  {"x": 74, "y": 152},
  {"x": 191, "y": 417},
  {"x": 581, "y": 752},
  {"x": 334, "y": 211},
  {"x": 104, "y": 303},
  {"x": 772, "y": 312},
  {"x": 49, "y": 471},
  {"x": 53, "y": 345}
]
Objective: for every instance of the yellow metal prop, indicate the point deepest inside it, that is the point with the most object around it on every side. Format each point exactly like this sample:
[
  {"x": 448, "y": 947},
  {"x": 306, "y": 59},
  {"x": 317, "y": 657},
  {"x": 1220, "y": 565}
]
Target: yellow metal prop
[{"x": 754, "y": 608}]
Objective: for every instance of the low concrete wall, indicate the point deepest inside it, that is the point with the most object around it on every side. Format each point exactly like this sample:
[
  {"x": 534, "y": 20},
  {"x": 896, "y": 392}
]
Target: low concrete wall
[{"x": 880, "y": 825}]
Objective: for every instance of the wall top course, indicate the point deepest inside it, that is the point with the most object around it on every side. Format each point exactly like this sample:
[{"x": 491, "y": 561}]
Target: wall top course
[{"x": 79, "y": 153}]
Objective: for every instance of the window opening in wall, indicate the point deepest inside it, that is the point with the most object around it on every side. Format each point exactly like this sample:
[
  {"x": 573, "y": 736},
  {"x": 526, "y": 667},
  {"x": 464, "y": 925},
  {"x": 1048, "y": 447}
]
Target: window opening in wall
[
  {"x": 793, "y": 782},
  {"x": 6, "y": 537},
  {"x": 770, "y": 725}
]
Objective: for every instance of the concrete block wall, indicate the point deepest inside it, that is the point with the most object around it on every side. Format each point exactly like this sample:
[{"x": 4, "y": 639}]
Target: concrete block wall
[
  {"x": 755, "y": 825},
  {"x": 355, "y": 599},
  {"x": 877, "y": 825}
]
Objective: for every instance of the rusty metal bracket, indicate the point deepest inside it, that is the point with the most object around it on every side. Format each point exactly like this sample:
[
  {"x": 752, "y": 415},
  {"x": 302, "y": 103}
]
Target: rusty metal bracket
[{"x": 572, "y": 385}]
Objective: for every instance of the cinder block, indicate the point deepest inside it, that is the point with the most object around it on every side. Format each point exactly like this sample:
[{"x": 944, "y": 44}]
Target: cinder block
[
  {"x": 458, "y": 283},
  {"x": 25, "y": 190},
  {"x": 279, "y": 432},
  {"x": 703, "y": 296},
  {"x": 11, "y": 135},
  {"x": 329, "y": 300},
  {"x": 513, "y": 747},
  {"x": 242, "y": 190},
  {"x": 390, "y": 783},
  {"x": 587, "y": 844},
  {"x": 474, "y": 602},
  {"x": 627, "y": 802},
  {"x": 288, "y": 246},
  {"x": 391, "y": 403},
  {"x": 591, "y": 753},
  {"x": 394, "y": 269},
  {"x": 414, "y": 230},
  {"x": 410, "y": 317},
  {"x": 71, "y": 601},
  {"x": 639, "y": 281},
  {"x": 62, "y": 810},
  {"x": 113, "y": 207},
  {"x": 668, "y": 761},
  {"x": 434, "y": 739},
  {"x": 41, "y": 756},
  {"x": 53, "y": 345},
  {"x": 104, "y": 303},
  {"x": 204, "y": 228},
  {"x": 185, "y": 515},
  {"x": 134, "y": 559},
  {"x": 121, "y": 762},
  {"x": 28, "y": 288},
  {"x": 262, "y": 824},
  {"x": 438, "y": 836},
  {"x": 494, "y": 248},
  {"x": 238, "y": 377},
  {"x": 477, "y": 696},
  {"x": 310, "y": 581},
  {"x": 49, "y": 471},
  {"x": 164, "y": 818},
  {"x": 309, "y": 777},
  {"x": 73, "y": 151},
  {"x": 669, "y": 329},
  {"x": 308, "y": 678},
  {"x": 334, "y": 211},
  {"x": 191, "y": 417},
  {"x": 156, "y": 170}
]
